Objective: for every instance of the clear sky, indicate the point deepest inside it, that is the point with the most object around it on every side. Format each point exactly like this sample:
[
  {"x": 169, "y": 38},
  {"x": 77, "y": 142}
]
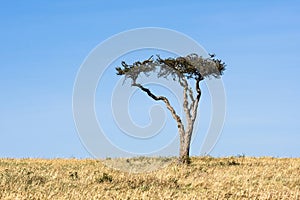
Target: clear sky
[{"x": 44, "y": 43}]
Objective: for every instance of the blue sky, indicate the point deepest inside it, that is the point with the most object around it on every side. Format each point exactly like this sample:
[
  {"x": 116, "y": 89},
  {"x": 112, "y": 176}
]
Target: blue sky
[{"x": 44, "y": 44}]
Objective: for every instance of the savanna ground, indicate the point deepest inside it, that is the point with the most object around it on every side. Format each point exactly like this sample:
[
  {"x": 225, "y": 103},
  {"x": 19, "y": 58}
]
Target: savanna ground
[{"x": 205, "y": 178}]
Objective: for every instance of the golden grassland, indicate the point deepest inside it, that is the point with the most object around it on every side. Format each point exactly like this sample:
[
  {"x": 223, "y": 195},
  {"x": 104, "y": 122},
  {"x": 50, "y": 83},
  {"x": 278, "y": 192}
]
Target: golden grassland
[{"x": 204, "y": 178}]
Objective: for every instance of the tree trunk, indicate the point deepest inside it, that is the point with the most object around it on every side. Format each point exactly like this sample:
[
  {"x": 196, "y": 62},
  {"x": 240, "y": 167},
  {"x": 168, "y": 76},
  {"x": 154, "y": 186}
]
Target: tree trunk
[
  {"x": 185, "y": 143},
  {"x": 190, "y": 111},
  {"x": 184, "y": 153}
]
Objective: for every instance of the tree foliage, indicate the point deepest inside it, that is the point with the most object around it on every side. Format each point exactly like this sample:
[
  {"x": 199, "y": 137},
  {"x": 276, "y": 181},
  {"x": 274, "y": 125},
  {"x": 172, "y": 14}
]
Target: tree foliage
[{"x": 190, "y": 66}]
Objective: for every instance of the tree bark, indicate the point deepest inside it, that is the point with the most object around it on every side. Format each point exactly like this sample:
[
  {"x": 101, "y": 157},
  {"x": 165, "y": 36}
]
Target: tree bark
[{"x": 184, "y": 152}]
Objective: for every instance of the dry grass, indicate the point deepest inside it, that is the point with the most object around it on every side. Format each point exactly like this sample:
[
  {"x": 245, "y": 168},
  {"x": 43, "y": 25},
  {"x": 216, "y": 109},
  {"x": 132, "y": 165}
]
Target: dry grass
[{"x": 205, "y": 178}]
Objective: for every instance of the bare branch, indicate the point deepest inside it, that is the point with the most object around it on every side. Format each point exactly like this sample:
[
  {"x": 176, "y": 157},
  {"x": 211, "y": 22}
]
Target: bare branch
[
  {"x": 191, "y": 95},
  {"x": 164, "y": 99},
  {"x": 183, "y": 82},
  {"x": 196, "y": 102},
  {"x": 185, "y": 86}
]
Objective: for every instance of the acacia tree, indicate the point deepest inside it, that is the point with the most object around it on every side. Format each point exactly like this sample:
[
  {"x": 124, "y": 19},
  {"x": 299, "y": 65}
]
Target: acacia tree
[{"x": 191, "y": 69}]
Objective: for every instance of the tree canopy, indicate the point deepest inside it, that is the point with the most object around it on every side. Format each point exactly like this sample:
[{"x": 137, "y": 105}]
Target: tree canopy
[{"x": 190, "y": 66}]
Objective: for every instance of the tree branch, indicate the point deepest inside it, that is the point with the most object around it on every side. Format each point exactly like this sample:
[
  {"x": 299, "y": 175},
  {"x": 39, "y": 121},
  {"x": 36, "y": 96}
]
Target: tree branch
[
  {"x": 196, "y": 102},
  {"x": 164, "y": 99},
  {"x": 187, "y": 111}
]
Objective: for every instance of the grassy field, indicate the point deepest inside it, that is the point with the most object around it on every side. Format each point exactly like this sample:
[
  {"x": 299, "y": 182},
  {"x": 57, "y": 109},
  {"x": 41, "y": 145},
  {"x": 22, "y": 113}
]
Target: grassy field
[{"x": 205, "y": 178}]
